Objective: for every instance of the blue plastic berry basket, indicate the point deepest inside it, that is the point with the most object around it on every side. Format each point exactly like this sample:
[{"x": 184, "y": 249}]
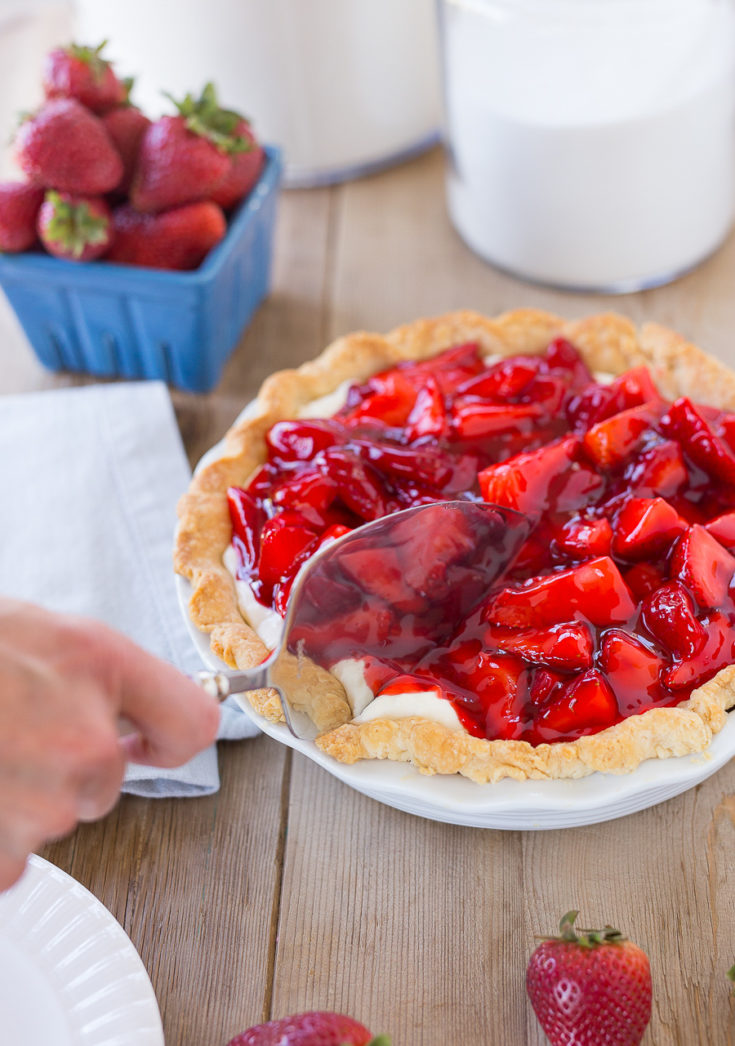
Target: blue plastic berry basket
[{"x": 126, "y": 321}]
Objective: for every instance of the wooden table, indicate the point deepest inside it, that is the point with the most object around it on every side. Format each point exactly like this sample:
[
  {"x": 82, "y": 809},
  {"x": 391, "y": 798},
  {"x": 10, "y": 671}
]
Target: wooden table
[{"x": 287, "y": 890}]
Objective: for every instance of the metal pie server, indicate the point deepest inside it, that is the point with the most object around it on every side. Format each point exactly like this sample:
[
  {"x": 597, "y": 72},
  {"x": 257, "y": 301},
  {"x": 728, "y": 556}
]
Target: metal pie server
[{"x": 338, "y": 611}]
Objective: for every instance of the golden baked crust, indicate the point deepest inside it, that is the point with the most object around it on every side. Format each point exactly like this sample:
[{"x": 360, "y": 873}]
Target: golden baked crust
[{"x": 608, "y": 342}]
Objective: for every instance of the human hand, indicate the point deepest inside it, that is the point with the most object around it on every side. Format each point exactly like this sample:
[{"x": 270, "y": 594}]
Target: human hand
[{"x": 65, "y": 683}]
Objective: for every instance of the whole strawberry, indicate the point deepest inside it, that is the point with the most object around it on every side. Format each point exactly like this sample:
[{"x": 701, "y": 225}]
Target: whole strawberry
[
  {"x": 183, "y": 158},
  {"x": 126, "y": 126},
  {"x": 591, "y": 988},
  {"x": 66, "y": 147},
  {"x": 19, "y": 205},
  {"x": 176, "y": 239},
  {"x": 317, "y": 1028},
  {"x": 244, "y": 170},
  {"x": 75, "y": 227},
  {"x": 82, "y": 73}
]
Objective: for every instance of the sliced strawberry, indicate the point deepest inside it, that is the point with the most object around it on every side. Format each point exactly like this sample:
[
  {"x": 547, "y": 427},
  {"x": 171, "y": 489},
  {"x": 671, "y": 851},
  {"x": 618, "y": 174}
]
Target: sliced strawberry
[
  {"x": 546, "y": 686},
  {"x": 428, "y": 415},
  {"x": 562, "y": 355},
  {"x": 577, "y": 488},
  {"x": 669, "y": 616},
  {"x": 631, "y": 389},
  {"x": 451, "y": 368},
  {"x": 588, "y": 406},
  {"x": 247, "y": 521},
  {"x": 717, "y": 652},
  {"x": 705, "y": 567},
  {"x": 568, "y": 646},
  {"x": 594, "y": 590},
  {"x": 586, "y": 706},
  {"x": 300, "y": 440},
  {"x": 379, "y": 572},
  {"x": 497, "y": 689},
  {"x": 611, "y": 441},
  {"x": 283, "y": 548},
  {"x": 428, "y": 465},
  {"x": 387, "y": 397},
  {"x": 659, "y": 470},
  {"x": 584, "y": 538},
  {"x": 524, "y": 482},
  {"x": 643, "y": 579},
  {"x": 645, "y": 527},
  {"x": 473, "y": 420},
  {"x": 308, "y": 489},
  {"x": 686, "y": 424},
  {"x": 723, "y": 528},
  {"x": 546, "y": 392},
  {"x": 504, "y": 380},
  {"x": 632, "y": 670},
  {"x": 360, "y": 485}
]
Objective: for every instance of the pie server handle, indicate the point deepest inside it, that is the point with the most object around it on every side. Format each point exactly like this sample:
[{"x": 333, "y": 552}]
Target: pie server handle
[{"x": 222, "y": 684}]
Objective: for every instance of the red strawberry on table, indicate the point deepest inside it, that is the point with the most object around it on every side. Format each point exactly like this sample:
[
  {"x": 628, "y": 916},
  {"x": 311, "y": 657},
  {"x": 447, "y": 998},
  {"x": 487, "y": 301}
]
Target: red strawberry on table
[
  {"x": 184, "y": 158},
  {"x": 126, "y": 126},
  {"x": 590, "y": 987},
  {"x": 66, "y": 147},
  {"x": 177, "y": 239},
  {"x": 19, "y": 206},
  {"x": 82, "y": 73},
  {"x": 317, "y": 1028},
  {"x": 243, "y": 172},
  {"x": 78, "y": 228}
]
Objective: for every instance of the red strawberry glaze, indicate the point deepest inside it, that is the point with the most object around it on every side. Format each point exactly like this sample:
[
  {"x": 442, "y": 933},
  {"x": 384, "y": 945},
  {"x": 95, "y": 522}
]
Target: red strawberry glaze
[{"x": 621, "y": 597}]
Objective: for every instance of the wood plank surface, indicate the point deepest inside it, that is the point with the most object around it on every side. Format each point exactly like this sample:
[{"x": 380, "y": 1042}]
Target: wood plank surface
[{"x": 289, "y": 890}]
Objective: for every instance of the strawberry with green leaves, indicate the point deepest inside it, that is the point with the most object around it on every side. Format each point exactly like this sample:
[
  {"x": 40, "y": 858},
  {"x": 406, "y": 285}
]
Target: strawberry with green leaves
[
  {"x": 317, "y": 1028},
  {"x": 82, "y": 73},
  {"x": 590, "y": 987},
  {"x": 64, "y": 146},
  {"x": 78, "y": 228},
  {"x": 184, "y": 158}
]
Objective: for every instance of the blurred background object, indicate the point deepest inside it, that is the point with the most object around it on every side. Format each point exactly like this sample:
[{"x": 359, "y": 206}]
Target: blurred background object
[
  {"x": 591, "y": 141},
  {"x": 343, "y": 86},
  {"x": 28, "y": 29}
]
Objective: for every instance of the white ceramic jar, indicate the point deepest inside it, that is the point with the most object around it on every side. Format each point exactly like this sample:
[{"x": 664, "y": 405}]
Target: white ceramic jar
[
  {"x": 343, "y": 86},
  {"x": 591, "y": 141}
]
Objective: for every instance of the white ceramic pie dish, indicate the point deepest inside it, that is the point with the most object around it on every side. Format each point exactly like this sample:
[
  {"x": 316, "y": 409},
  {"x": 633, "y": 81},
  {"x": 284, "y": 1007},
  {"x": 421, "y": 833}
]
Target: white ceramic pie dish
[
  {"x": 529, "y": 805},
  {"x": 511, "y": 805}
]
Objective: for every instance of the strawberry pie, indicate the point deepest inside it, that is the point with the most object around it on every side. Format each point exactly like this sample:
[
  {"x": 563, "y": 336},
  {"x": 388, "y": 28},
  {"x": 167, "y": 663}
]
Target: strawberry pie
[{"x": 609, "y": 639}]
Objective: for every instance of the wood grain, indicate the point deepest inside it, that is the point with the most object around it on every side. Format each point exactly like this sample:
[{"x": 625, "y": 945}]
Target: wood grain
[{"x": 289, "y": 890}]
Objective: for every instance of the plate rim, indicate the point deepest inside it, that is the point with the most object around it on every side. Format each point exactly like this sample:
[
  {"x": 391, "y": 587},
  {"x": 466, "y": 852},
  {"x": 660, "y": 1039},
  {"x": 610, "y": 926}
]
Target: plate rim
[{"x": 90, "y": 921}]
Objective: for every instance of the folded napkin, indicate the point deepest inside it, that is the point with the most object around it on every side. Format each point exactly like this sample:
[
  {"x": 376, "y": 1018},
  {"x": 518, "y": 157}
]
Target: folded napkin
[{"x": 90, "y": 480}]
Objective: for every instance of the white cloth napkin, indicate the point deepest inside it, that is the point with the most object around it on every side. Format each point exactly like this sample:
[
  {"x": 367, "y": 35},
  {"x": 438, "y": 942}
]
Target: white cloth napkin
[{"x": 90, "y": 478}]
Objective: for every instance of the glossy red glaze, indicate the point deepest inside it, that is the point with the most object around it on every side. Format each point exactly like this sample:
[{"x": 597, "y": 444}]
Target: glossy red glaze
[{"x": 620, "y": 598}]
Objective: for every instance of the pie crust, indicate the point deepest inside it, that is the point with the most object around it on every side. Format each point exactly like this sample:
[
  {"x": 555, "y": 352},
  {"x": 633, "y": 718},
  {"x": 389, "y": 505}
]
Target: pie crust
[{"x": 608, "y": 342}]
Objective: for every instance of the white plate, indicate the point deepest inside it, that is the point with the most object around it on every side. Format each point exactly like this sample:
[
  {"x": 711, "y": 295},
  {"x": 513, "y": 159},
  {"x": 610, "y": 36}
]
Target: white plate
[
  {"x": 510, "y": 805},
  {"x": 69, "y": 974},
  {"x": 507, "y": 804}
]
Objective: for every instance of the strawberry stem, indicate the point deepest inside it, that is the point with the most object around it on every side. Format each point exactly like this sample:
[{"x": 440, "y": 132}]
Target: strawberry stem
[
  {"x": 204, "y": 116},
  {"x": 91, "y": 56},
  {"x": 586, "y": 938},
  {"x": 731, "y": 974},
  {"x": 74, "y": 226}
]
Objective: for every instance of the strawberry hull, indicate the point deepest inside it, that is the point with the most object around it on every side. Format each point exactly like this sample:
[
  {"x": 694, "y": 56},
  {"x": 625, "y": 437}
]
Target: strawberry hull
[{"x": 138, "y": 323}]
